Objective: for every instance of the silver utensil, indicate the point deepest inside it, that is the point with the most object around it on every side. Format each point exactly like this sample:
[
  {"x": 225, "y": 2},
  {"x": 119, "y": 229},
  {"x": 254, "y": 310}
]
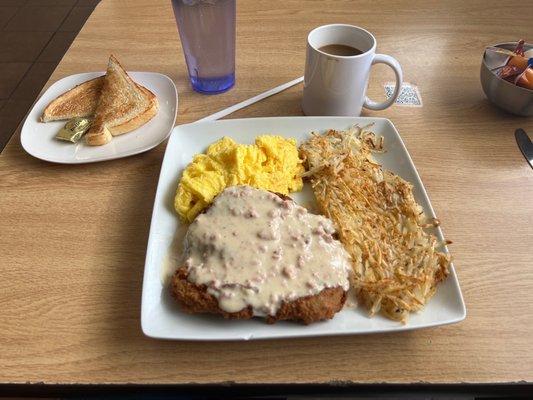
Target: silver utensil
[{"x": 525, "y": 145}]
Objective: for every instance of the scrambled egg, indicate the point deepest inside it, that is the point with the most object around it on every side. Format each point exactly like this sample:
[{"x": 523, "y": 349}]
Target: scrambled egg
[{"x": 272, "y": 163}]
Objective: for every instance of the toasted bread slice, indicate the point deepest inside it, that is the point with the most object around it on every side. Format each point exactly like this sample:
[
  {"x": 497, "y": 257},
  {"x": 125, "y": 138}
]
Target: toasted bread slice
[
  {"x": 79, "y": 101},
  {"x": 122, "y": 106}
]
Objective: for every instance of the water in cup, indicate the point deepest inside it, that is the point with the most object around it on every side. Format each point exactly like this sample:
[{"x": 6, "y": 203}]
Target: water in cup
[{"x": 207, "y": 32}]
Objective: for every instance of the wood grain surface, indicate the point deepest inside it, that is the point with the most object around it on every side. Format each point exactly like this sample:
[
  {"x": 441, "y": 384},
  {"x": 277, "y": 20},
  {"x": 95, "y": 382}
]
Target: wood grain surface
[{"x": 73, "y": 238}]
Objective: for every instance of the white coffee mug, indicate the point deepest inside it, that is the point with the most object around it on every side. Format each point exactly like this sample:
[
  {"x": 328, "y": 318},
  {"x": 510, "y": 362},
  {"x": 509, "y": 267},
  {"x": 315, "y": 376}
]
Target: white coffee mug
[{"x": 336, "y": 85}]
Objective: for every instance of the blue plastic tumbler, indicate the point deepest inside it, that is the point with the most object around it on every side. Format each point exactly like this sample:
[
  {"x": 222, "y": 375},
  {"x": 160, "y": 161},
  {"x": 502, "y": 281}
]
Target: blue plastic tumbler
[{"x": 207, "y": 32}]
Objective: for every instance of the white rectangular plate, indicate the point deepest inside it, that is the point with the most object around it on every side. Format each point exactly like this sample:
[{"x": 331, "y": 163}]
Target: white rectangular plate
[
  {"x": 37, "y": 138},
  {"x": 162, "y": 318}
]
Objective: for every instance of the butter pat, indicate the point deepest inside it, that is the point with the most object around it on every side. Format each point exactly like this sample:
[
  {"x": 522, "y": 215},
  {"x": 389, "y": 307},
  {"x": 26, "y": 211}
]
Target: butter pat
[{"x": 74, "y": 129}]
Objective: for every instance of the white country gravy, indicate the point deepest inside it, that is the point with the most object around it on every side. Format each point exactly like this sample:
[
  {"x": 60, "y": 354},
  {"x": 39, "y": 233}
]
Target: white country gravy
[{"x": 252, "y": 248}]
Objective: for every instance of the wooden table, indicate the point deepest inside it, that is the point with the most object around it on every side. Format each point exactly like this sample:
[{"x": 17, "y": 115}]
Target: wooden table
[{"x": 73, "y": 238}]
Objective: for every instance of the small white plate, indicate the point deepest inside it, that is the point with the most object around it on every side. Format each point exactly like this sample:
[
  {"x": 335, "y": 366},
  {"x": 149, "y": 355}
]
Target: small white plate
[
  {"x": 37, "y": 138},
  {"x": 160, "y": 315}
]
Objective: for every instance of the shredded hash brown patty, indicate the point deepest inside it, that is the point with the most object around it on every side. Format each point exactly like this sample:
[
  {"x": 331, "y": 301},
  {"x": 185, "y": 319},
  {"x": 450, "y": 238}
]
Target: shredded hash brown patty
[
  {"x": 194, "y": 299},
  {"x": 397, "y": 262}
]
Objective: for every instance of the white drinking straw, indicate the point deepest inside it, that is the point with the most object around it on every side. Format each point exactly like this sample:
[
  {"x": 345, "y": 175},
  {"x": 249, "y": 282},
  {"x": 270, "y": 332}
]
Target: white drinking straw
[{"x": 252, "y": 100}]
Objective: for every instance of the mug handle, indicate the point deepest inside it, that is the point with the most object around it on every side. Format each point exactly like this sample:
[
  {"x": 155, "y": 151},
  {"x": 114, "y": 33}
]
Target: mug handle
[{"x": 395, "y": 65}]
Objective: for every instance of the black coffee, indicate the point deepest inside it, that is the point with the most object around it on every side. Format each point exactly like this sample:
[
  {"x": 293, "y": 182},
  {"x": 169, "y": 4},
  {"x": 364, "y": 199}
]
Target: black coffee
[{"x": 340, "y": 50}]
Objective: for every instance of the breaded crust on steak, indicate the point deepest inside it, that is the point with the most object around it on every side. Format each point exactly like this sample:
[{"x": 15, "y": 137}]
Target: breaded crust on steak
[{"x": 195, "y": 299}]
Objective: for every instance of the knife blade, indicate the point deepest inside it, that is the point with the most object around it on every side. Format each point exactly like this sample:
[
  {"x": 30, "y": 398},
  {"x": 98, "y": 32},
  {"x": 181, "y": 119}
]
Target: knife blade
[{"x": 525, "y": 145}]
